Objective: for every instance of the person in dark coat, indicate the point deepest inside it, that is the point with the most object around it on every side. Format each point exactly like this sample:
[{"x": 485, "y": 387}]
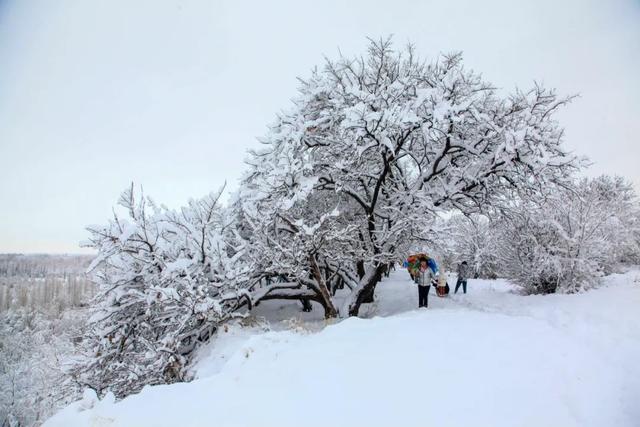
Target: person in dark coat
[{"x": 463, "y": 274}]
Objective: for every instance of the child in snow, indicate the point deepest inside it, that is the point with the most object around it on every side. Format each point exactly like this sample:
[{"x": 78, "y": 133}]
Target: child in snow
[
  {"x": 443, "y": 287},
  {"x": 424, "y": 277},
  {"x": 463, "y": 274}
]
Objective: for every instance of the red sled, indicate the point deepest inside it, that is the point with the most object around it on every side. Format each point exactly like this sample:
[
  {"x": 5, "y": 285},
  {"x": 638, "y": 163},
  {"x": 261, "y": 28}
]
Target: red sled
[{"x": 442, "y": 291}]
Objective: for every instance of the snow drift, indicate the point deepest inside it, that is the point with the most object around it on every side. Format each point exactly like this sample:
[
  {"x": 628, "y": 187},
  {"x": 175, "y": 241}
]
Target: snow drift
[{"x": 488, "y": 358}]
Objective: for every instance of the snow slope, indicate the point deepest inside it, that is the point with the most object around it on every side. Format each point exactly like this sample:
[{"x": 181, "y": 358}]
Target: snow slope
[{"x": 488, "y": 358}]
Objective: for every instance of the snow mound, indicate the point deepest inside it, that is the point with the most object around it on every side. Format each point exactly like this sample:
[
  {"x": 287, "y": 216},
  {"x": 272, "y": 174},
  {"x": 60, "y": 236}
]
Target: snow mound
[{"x": 488, "y": 358}]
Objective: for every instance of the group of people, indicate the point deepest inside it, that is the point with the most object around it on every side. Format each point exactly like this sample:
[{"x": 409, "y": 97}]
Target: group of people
[{"x": 424, "y": 272}]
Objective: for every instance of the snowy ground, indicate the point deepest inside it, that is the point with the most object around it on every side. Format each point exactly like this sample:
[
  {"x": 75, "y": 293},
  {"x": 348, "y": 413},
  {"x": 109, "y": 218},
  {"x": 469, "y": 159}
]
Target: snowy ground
[{"x": 488, "y": 358}]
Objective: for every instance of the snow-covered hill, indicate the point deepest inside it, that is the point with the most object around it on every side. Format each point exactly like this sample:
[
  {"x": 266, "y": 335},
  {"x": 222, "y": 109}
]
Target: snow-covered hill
[{"x": 488, "y": 358}]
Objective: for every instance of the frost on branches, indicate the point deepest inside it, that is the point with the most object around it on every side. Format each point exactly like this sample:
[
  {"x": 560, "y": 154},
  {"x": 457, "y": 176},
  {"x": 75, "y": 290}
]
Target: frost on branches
[
  {"x": 42, "y": 311},
  {"x": 474, "y": 239},
  {"x": 166, "y": 280},
  {"x": 388, "y": 141},
  {"x": 352, "y": 177},
  {"x": 565, "y": 239},
  {"x": 553, "y": 239},
  {"x": 34, "y": 348}
]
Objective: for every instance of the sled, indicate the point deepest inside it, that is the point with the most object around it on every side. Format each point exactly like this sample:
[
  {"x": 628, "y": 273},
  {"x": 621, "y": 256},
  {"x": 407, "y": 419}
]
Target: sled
[{"x": 442, "y": 291}]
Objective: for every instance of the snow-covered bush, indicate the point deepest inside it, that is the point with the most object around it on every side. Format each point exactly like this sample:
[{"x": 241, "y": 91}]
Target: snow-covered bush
[
  {"x": 621, "y": 218},
  {"x": 35, "y": 346},
  {"x": 166, "y": 280},
  {"x": 43, "y": 302},
  {"x": 565, "y": 239}
]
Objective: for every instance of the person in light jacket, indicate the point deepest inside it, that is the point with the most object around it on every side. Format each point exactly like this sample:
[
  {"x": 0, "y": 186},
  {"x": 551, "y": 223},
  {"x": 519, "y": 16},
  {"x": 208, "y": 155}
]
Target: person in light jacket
[{"x": 424, "y": 277}]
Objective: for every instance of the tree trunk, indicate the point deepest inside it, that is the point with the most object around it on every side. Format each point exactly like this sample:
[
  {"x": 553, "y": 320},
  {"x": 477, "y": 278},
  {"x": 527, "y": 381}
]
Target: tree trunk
[
  {"x": 388, "y": 269},
  {"x": 368, "y": 295},
  {"x": 360, "y": 268},
  {"x": 325, "y": 296},
  {"x": 306, "y": 305},
  {"x": 365, "y": 290},
  {"x": 338, "y": 284}
]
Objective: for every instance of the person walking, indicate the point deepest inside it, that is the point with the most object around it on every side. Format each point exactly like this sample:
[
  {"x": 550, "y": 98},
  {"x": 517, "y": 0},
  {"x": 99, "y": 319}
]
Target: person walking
[
  {"x": 423, "y": 278},
  {"x": 463, "y": 274}
]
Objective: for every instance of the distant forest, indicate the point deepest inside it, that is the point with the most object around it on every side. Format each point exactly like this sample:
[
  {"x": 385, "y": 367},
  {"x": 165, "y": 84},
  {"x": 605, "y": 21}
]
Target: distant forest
[{"x": 44, "y": 281}]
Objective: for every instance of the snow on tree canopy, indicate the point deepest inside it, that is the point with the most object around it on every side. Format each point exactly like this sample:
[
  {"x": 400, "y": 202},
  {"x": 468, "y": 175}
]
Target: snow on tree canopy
[
  {"x": 391, "y": 141},
  {"x": 349, "y": 179},
  {"x": 166, "y": 280}
]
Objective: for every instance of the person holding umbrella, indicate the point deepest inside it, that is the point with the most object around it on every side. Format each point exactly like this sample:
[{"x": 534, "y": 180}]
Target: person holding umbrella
[{"x": 424, "y": 277}]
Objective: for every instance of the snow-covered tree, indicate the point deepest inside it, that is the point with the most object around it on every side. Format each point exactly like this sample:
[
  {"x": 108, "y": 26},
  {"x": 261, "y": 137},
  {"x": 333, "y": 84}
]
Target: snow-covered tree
[
  {"x": 350, "y": 179},
  {"x": 35, "y": 345},
  {"x": 620, "y": 207},
  {"x": 303, "y": 244},
  {"x": 42, "y": 309},
  {"x": 472, "y": 239},
  {"x": 390, "y": 140},
  {"x": 166, "y": 280}
]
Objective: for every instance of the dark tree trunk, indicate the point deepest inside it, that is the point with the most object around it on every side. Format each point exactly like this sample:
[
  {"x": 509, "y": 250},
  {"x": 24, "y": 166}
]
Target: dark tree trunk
[
  {"x": 367, "y": 291},
  {"x": 367, "y": 296},
  {"x": 338, "y": 283},
  {"x": 388, "y": 269},
  {"x": 360, "y": 269},
  {"x": 324, "y": 294},
  {"x": 306, "y": 305}
]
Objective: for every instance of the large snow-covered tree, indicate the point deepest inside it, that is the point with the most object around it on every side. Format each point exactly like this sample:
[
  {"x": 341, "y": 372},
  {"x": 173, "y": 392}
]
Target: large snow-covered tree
[
  {"x": 352, "y": 177},
  {"x": 390, "y": 140}
]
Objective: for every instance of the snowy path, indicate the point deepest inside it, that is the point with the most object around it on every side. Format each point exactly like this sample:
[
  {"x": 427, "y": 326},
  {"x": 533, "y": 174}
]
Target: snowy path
[
  {"x": 488, "y": 358},
  {"x": 398, "y": 294}
]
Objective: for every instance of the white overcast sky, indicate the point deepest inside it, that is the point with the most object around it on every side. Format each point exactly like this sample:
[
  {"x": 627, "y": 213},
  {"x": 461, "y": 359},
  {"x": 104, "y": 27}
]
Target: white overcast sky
[{"x": 170, "y": 94}]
